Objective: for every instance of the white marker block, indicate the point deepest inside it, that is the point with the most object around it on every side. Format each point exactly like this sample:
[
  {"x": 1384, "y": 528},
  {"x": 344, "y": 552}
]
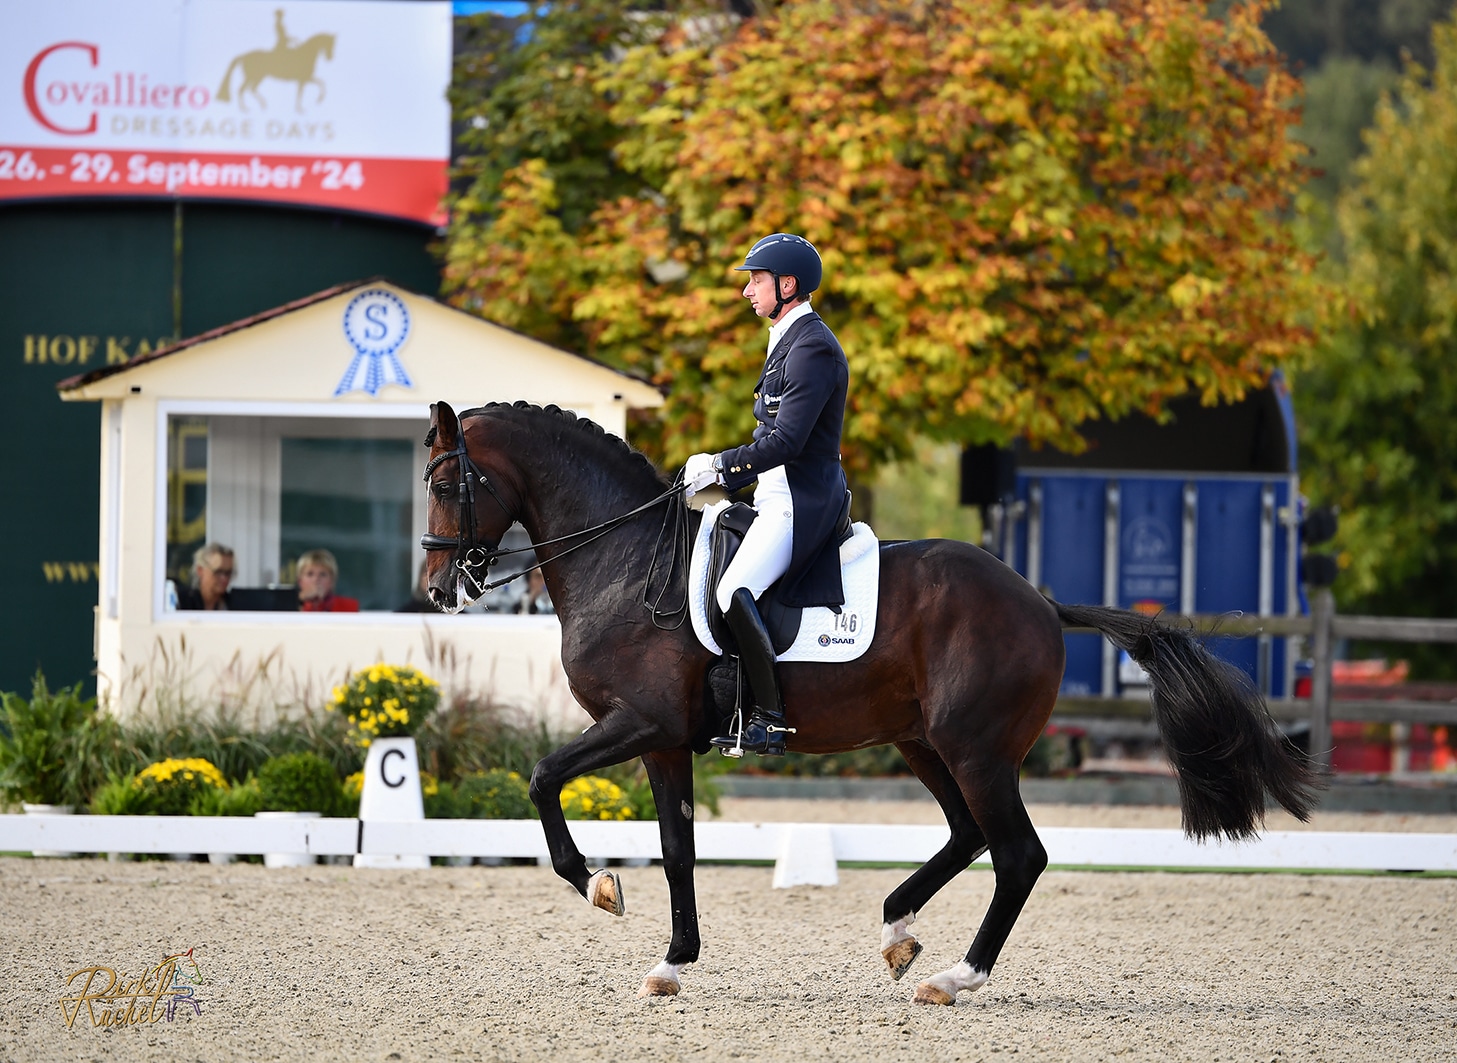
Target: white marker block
[
  {"x": 806, "y": 857},
  {"x": 391, "y": 792}
]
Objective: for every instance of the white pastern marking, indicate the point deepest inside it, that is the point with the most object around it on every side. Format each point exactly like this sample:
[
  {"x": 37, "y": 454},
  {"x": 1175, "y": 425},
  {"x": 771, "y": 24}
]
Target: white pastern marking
[
  {"x": 957, "y": 978},
  {"x": 668, "y": 971},
  {"x": 890, "y": 933}
]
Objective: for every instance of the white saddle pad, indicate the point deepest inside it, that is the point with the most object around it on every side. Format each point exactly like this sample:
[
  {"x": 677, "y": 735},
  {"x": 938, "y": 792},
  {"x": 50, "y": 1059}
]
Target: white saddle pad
[{"x": 823, "y": 634}]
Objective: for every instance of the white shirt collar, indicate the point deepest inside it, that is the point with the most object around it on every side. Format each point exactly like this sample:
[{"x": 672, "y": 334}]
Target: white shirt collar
[{"x": 786, "y": 319}]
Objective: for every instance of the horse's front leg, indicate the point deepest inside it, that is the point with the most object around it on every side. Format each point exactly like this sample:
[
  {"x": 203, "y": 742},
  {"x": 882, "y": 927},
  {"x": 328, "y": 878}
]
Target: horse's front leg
[
  {"x": 671, "y": 774},
  {"x": 620, "y": 736}
]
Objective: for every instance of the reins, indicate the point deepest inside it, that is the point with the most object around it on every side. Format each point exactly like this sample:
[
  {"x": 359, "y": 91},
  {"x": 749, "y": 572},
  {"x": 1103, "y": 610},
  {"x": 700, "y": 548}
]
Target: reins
[{"x": 471, "y": 555}]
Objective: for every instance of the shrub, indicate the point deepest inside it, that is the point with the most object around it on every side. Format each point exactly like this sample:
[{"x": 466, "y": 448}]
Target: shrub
[
  {"x": 170, "y": 787},
  {"x": 124, "y": 796},
  {"x": 241, "y": 800},
  {"x": 593, "y": 797},
  {"x": 299, "y": 782},
  {"x": 51, "y": 745},
  {"x": 383, "y": 701},
  {"x": 492, "y": 795}
]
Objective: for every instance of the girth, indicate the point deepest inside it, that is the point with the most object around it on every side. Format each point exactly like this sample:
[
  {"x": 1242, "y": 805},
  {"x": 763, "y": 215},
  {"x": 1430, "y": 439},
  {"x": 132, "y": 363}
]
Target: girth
[{"x": 728, "y": 535}]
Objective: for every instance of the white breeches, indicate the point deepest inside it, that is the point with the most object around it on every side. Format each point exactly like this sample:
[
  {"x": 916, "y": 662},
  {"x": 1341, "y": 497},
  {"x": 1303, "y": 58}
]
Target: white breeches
[{"x": 768, "y": 544}]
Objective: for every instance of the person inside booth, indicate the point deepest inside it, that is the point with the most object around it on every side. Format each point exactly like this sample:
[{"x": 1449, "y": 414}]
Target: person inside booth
[
  {"x": 212, "y": 576},
  {"x": 318, "y": 572}
]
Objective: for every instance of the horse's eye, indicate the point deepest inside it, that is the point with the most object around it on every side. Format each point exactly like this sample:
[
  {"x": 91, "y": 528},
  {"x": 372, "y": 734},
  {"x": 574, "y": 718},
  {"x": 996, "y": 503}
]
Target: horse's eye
[{"x": 444, "y": 489}]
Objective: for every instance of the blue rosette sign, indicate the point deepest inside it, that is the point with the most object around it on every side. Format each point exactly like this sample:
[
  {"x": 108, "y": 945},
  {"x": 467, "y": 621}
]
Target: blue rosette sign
[{"x": 376, "y": 324}]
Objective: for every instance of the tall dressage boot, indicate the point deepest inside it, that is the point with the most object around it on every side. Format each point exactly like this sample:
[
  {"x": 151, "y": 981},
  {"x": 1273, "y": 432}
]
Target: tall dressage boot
[{"x": 764, "y": 731}]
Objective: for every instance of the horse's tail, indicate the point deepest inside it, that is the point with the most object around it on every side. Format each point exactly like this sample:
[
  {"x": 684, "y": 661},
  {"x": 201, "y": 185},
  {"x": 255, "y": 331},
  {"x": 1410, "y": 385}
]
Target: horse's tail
[
  {"x": 1223, "y": 743},
  {"x": 225, "y": 92}
]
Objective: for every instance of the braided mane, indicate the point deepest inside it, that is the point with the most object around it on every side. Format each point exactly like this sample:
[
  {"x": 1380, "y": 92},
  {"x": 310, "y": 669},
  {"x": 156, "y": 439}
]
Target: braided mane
[{"x": 589, "y": 432}]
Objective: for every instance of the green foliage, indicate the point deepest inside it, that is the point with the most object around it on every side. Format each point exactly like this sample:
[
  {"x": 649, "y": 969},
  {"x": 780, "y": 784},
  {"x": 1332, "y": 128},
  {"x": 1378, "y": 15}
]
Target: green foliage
[
  {"x": 124, "y": 796},
  {"x": 1340, "y": 100},
  {"x": 169, "y": 787},
  {"x": 492, "y": 794},
  {"x": 533, "y": 100},
  {"x": 478, "y": 734},
  {"x": 1031, "y": 214},
  {"x": 299, "y": 782},
  {"x": 595, "y": 797},
  {"x": 1376, "y": 405},
  {"x": 920, "y": 498},
  {"x": 50, "y": 744},
  {"x": 241, "y": 800}
]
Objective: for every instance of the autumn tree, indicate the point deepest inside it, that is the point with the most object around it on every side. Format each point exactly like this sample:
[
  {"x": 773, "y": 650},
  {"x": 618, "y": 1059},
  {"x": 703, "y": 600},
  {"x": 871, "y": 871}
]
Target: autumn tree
[
  {"x": 1031, "y": 214},
  {"x": 1377, "y": 406}
]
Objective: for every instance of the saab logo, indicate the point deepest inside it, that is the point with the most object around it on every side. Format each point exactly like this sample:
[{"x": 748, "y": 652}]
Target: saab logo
[
  {"x": 824, "y": 640},
  {"x": 287, "y": 60}
]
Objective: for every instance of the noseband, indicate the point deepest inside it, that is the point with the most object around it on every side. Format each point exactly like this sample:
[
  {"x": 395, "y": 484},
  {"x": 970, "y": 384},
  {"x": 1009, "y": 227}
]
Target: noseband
[{"x": 471, "y": 553}]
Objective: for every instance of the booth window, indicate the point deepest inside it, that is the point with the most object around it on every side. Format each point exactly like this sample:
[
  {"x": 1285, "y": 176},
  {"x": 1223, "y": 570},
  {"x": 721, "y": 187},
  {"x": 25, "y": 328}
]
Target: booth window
[{"x": 272, "y": 488}]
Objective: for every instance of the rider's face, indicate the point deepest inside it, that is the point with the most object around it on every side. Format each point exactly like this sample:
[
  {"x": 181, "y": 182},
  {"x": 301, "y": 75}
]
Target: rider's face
[{"x": 760, "y": 291}]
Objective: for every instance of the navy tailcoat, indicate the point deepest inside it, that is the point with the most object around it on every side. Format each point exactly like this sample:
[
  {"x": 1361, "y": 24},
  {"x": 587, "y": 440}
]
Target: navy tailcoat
[{"x": 800, "y": 406}]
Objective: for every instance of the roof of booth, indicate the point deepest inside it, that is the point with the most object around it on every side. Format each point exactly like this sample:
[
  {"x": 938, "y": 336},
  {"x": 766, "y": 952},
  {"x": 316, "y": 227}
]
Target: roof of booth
[{"x": 304, "y": 344}]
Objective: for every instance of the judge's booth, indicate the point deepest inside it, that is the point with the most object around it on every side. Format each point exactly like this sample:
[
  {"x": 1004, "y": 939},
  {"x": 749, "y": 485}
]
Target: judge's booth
[{"x": 301, "y": 429}]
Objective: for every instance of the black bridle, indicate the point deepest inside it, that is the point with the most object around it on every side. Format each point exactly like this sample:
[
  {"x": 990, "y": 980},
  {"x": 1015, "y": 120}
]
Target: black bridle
[
  {"x": 471, "y": 553},
  {"x": 474, "y": 556}
]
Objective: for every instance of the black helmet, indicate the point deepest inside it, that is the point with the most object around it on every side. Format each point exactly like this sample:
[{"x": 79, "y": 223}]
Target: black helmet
[{"x": 787, "y": 255}]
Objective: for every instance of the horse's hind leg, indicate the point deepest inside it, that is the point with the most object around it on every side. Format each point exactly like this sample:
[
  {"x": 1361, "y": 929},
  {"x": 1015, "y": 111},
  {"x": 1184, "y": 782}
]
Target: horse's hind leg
[
  {"x": 671, "y": 775},
  {"x": 897, "y": 945},
  {"x": 1018, "y": 859}
]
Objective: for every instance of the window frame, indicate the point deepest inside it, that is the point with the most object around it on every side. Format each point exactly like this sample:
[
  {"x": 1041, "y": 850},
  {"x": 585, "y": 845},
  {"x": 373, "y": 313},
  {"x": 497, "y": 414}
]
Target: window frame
[{"x": 169, "y": 408}]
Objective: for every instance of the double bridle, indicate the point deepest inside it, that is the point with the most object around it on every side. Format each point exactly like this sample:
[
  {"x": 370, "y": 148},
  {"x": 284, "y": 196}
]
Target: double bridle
[{"x": 474, "y": 556}]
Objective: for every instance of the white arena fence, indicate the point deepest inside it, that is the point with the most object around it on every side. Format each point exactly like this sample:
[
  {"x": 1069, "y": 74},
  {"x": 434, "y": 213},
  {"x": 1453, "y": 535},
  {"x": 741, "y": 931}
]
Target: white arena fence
[{"x": 804, "y": 853}]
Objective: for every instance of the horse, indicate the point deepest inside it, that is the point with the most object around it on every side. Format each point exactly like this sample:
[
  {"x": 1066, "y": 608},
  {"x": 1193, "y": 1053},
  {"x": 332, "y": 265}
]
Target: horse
[
  {"x": 961, "y": 677},
  {"x": 287, "y": 64}
]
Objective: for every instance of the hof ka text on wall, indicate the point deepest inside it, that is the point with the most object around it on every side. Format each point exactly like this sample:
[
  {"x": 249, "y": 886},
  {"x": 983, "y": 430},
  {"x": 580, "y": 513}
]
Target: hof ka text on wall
[{"x": 42, "y": 349}]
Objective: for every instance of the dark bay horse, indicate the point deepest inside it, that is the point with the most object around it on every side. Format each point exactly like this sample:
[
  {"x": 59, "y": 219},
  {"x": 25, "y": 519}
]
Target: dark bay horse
[{"x": 961, "y": 678}]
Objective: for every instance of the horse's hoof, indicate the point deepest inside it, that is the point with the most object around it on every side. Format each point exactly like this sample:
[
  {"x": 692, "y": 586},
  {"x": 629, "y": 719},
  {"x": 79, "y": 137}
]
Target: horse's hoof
[
  {"x": 926, "y": 993},
  {"x": 653, "y": 986},
  {"x": 900, "y": 956},
  {"x": 604, "y": 890}
]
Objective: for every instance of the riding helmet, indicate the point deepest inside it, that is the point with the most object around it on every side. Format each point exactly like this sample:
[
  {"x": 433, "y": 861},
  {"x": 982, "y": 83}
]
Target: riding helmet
[{"x": 787, "y": 255}]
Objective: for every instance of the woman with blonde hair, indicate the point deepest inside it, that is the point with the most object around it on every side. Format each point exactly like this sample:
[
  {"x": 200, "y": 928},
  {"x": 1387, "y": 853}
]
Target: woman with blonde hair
[{"x": 317, "y": 574}]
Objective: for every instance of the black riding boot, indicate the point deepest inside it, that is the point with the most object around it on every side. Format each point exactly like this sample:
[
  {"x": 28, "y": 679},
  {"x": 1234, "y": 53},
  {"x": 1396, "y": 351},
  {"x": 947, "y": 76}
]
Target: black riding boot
[{"x": 764, "y": 731}]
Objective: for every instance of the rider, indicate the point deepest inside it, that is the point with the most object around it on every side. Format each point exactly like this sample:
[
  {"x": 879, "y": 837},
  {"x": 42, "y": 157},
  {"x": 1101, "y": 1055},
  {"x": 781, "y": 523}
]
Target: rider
[
  {"x": 284, "y": 41},
  {"x": 799, "y": 403}
]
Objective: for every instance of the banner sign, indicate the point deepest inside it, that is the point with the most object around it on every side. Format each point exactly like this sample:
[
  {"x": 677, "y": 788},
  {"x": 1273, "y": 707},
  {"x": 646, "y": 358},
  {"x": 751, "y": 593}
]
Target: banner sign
[{"x": 331, "y": 104}]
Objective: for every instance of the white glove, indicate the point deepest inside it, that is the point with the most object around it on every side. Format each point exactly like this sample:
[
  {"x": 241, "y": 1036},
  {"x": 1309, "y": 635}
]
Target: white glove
[{"x": 698, "y": 473}]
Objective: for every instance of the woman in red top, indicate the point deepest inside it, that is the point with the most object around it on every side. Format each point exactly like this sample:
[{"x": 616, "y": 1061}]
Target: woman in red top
[{"x": 317, "y": 574}]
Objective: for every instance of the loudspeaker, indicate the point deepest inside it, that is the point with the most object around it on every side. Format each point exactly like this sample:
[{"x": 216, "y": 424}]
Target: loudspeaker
[{"x": 988, "y": 475}]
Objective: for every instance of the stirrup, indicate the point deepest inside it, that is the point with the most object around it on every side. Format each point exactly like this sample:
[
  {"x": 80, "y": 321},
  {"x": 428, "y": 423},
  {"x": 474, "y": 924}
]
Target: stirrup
[{"x": 772, "y": 747}]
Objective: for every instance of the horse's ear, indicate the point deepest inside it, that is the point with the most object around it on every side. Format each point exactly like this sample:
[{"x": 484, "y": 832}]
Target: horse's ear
[{"x": 444, "y": 427}]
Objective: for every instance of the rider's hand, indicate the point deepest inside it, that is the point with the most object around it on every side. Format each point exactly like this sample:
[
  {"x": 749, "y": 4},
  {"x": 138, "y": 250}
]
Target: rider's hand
[{"x": 698, "y": 473}]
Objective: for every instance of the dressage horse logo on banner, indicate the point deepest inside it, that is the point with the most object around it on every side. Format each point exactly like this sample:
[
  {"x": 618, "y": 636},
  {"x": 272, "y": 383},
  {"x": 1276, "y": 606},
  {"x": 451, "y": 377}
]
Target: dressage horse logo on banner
[{"x": 376, "y": 324}]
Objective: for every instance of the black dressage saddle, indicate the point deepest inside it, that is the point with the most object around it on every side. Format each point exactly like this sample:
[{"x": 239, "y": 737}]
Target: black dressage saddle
[{"x": 724, "y": 542}]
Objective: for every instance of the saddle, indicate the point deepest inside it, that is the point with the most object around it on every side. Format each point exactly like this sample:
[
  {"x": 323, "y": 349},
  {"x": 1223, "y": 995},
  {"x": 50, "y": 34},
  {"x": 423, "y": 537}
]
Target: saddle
[{"x": 781, "y": 620}]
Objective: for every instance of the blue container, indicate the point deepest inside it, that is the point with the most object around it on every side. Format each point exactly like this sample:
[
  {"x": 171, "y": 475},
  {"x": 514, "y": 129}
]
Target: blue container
[{"x": 1209, "y": 523}]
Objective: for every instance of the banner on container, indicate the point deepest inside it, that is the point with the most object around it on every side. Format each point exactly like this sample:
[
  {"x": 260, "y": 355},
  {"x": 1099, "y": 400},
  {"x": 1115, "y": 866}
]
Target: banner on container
[{"x": 339, "y": 104}]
